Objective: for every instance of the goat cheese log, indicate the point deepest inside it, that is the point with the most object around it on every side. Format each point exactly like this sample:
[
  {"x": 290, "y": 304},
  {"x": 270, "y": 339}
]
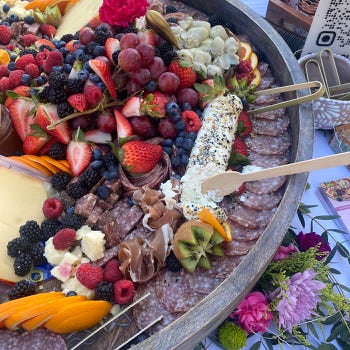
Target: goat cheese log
[{"x": 210, "y": 155}]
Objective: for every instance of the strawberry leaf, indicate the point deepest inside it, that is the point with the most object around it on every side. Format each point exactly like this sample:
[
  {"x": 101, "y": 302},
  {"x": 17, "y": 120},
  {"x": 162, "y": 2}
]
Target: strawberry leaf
[{"x": 238, "y": 159}]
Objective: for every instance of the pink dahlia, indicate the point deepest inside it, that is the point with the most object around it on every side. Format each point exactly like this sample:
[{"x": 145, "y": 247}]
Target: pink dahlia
[
  {"x": 312, "y": 239},
  {"x": 284, "y": 252},
  {"x": 299, "y": 301},
  {"x": 254, "y": 313}
]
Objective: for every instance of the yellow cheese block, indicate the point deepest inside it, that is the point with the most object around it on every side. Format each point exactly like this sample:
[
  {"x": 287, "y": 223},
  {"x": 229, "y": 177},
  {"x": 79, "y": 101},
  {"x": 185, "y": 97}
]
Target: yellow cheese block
[
  {"x": 21, "y": 199},
  {"x": 78, "y": 16}
]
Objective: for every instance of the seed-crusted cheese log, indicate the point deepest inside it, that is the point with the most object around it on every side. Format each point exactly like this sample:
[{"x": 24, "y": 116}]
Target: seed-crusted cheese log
[{"x": 210, "y": 155}]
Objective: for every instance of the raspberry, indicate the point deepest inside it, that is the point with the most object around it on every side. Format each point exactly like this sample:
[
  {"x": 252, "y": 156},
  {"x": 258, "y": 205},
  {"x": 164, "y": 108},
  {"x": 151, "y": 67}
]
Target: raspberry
[
  {"x": 111, "y": 272},
  {"x": 192, "y": 121},
  {"x": 15, "y": 77},
  {"x": 92, "y": 94},
  {"x": 41, "y": 57},
  {"x": 4, "y": 72},
  {"x": 29, "y": 39},
  {"x": 54, "y": 58},
  {"x": 89, "y": 276},
  {"x": 5, "y": 35},
  {"x": 244, "y": 66},
  {"x": 32, "y": 69},
  {"x": 64, "y": 238},
  {"x": 124, "y": 291},
  {"x": 52, "y": 208},
  {"x": 4, "y": 84},
  {"x": 48, "y": 29},
  {"x": 24, "y": 60}
]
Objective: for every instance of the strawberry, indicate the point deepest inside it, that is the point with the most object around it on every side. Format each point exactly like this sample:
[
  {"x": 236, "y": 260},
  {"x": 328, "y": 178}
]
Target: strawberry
[
  {"x": 132, "y": 107},
  {"x": 209, "y": 89},
  {"x": 102, "y": 70},
  {"x": 186, "y": 74},
  {"x": 78, "y": 101},
  {"x": 124, "y": 128},
  {"x": 139, "y": 157},
  {"x": 111, "y": 272},
  {"x": 111, "y": 45},
  {"x": 244, "y": 66},
  {"x": 46, "y": 148},
  {"x": 240, "y": 147},
  {"x": 239, "y": 153},
  {"x": 72, "y": 45},
  {"x": 244, "y": 127},
  {"x": 20, "y": 90},
  {"x": 64, "y": 238},
  {"x": 98, "y": 136},
  {"x": 154, "y": 104},
  {"x": 46, "y": 115},
  {"x": 48, "y": 29},
  {"x": 42, "y": 42},
  {"x": 92, "y": 94},
  {"x": 79, "y": 154},
  {"x": 192, "y": 121},
  {"x": 146, "y": 37},
  {"x": 21, "y": 113},
  {"x": 89, "y": 276},
  {"x": 34, "y": 141}
]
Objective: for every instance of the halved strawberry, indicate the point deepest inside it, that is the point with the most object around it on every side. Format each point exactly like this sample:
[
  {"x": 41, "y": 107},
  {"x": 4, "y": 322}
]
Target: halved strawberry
[
  {"x": 239, "y": 146},
  {"x": 154, "y": 104},
  {"x": 45, "y": 149},
  {"x": 146, "y": 37},
  {"x": 34, "y": 142},
  {"x": 186, "y": 74},
  {"x": 22, "y": 115},
  {"x": 139, "y": 157},
  {"x": 21, "y": 90},
  {"x": 42, "y": 42},
  {"x": 111, "y": 45},
  {"x": 46, "y": 114},
  {"x": 72, "y": 45},
  {"x": 124, "y": 128},
  {"x": 78, "y": 101},
  {"x": 244, "y": 127},
  {"x": 97, "y": 136},
  {"x": 79, "y": 154},
  {"x": 102, "y": 70},
  {"x": 132, "y": 107}
]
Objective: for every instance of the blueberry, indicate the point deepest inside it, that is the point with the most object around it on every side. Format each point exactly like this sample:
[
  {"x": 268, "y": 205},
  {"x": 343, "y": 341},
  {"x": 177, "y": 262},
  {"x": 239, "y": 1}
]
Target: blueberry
[
  {"x": 6, "y": 8},
  {"x": 55, "y": 42},
  {"x": 41, "y": 80},
  {"x": 79, "y": 54},
  {"x": 187, "y": 145},
  {"x": 192, "y": 136},
  {"x": 186, "y": 106},
  {"x": 11, "y": 66},
  {"x": 26, "y": 79},
  {"x": 181, "y": 133},
  {"x": 69, "y": 58},
  {"x": 180, "y": 151},
  {"x": 13, "y": 18},
  {"x": 83, "y": 75},
  {"x": 168, "y": 150},
  {"x": 61, "y": 45},
  {"x": 172, "y": 108},
  {"x": 176, "y": 117},
  {"x": 96, "y": 154},
  {"x": 64, "y": 52},
  {"x": 178, "y": 141},
  {"x": 199, "y": 113},
  {"x": 167, "y": 142},
  {"x": 71, "y": 293},
  {"x": 184, "y": 159},
  {"x": 244, "y": 102},
  {"x": 13, "y": 57},
  {"x": 180, "y": 125},
  {"x": 5, "y": 23},
  {"x": 97, "y": 164},
  {"x": 99, "y": 51},
  {"x": 70, "y": 210},
  {"x": 151, "y": 86},
  {"x": 103, "y": 191},
  {"x": 67, "y": 67},
  {"x": 175, "y": 161},
  {"x": 101, "y": 86},
  {"x": 57, "y": 69},
  {"x": 94, "y": 78}
]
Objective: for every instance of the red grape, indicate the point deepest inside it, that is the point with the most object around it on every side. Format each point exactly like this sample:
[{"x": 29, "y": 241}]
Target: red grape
[
  {"x": 132, "y": 86},
  {"x": 86, "y": 35},
  {"x": 106, "y": 122},
  {"x": 167, "y": 129},
  {"x": 140, "y": 125},
  {"x": 168, "y": 82},
  {"x": 156, "y": 67},
  {"x": 146, "y": 52},
  {"x": 142, "y": 76},
  {"x": 129, "y": 60},
  {"x": 85, "y": 122},
  {"x": 129, "y": 40},
  {"x": 187, "y": 95}
]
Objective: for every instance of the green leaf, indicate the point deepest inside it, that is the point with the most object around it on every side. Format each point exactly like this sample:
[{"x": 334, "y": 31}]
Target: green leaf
[
  {"x": 336, "y": 272},
  {"x": 331, "y": 255},
  {"x": 327, "y": 347},
  {"x": 255, "y": 346},
  {"x": 237, "y": 159},
  {"x": 269, "y": 344},
  {"x": 342, "y": 250},
  {"x": 312, "y": 329},
  {"x": 335, "y": 333},
  {"x": 342, "y": 286},
  {"x": 199, "y": 346},
  {"x": 326, "y": 217},
  {"x": 203, "y": 88},
  {"x": 344, "y": 345},
  {"x": 324, "y": 236},
  {"x": 336, "y": 230},
  {"x": 332, "y": 319},
  {"x": 301, "y": 218},
  {"x": 12, "y": 94}
]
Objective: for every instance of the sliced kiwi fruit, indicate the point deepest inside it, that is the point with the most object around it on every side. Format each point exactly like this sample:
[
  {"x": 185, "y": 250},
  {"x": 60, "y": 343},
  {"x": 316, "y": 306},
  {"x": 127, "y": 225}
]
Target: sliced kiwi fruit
[{"x": 193, "y": 243}]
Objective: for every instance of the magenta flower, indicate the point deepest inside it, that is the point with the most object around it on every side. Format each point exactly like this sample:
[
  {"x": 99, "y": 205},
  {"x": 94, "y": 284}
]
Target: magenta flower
[
  {"x": 312, "y": 239},
  {"x": 254, "y": 313},
  {"x": 299, "y": 301},
  {"x": 284, "y": 252}
]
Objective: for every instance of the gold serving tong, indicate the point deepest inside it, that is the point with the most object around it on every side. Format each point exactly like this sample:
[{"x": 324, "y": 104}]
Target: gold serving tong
[{"x": 324, "y": 69}]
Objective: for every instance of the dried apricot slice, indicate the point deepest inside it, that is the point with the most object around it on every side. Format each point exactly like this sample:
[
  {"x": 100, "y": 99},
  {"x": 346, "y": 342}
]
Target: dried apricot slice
[
  {"x": 42, "y": 162},
  {"x": 78, "y": 316},
  {"x": 57, "y": 163},
  {"x": 32, "y": 164}
]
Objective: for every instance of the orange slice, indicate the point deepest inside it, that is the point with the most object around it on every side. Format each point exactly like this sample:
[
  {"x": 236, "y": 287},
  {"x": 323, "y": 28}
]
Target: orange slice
[
  {"x": 244, "y": 51},
  {"x": 36, "y": 315},
  {"x": 78, "y": 316},
  {"x": 208, "y": 217},
  {"x": 8, "y": 308},
  {"x": 57, "y": 163},
  {"x": 254, "y": 61},
  {"x": 42, "y": 4},
  {"x": 257, "y": 77},
  {"x": 32, "y": 164},
  {"x": 41, "y": 161},
  {"x": 65, "y": 163}
]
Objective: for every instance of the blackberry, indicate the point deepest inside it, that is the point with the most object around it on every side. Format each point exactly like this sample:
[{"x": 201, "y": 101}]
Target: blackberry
[
  {"x": 31, "y": 230},
  {"x": 75, "y": 85},
  {"x": 170, "y": 9},
  {"x": 73, "y": 221},
  {"x": 17, "y": 246},
  {"x": 129, "y": 29},
  {"x": 109, "y": 159},
  {"x": 102, "y": 34},
  {"x": 58, "y": 150},
  {"x": 76, "y": 35},
  {"x": 67, "y": 37},
  {"x": 172, "y": 264},
  {"x": 28, "y": 51},
  {"x": 168, "y": 57},
  {"x": 215, "y": 20},
  {"x": 59, "y": 181},
  {"x": 57, "y": 95},
  {"x": 171, "y": 20},
  {"x": 64, "y": 109},
  {"x": 164, "y": 47},
  {"x": 67, "y": 200},
  {"x": 49, "y": 228},
  {"x": 76, "y": 190},
  {"x": 90, "y": 177},
  {"x": 44, "y": 94},
  {"x": 37, "y": 254},
  {"x": 104, "y": 291},
  {"x": 22, "y": 264},
  {"x": 115, "y": 56},
  {"x": 21, "y": 289},
  {"x": 57, "y": 79},
  {"x": 90, "y": 46}
]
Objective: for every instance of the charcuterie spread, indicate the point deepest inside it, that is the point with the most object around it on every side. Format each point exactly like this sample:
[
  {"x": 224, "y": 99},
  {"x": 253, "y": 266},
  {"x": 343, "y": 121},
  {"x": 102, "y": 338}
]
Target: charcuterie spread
[{"x": 124, "y": 126}]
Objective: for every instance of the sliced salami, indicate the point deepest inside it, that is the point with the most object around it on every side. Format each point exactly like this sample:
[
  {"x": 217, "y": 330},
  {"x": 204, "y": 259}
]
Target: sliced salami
[
  {"x": 267, "y": 160},
  {"x": 266, "y": 186},
  {"x": 222, "y": 267},
  {"x": 174, "y": 292},
  {"x": 270, "y": 127},
  {"x": 272, "y": 115},
  {"x": 264, "y": 144},
  {"x": 265, "y": 83},
  {"x": 250, "y": 218},
  {"x": 267, "y": 99},
  {"x": 260, "y": 201},
  {"x": 244, "y": 234},
  {"x": 263, "y": 68},
  {"x": 201, "y": 283}
]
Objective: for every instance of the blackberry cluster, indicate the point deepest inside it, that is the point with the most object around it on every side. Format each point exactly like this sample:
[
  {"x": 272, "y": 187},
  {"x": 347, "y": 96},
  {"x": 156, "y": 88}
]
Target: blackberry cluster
[
  {"x": 57, "y": 95},
  {"x": 49, "y": 228},
  {"x": 21, "y": 289},
  {"x": 76, "y": 190},
  {"x": 44, "y": 94},
  {"x": 22, "y": 264},
  {"x": 37, "y": 254},
  {"x": 59, "y": 181},
  {"x": 17, "y": 246},
  {"x": 75, "y": 85},
  {"x": 115, "y": 56},
  {"x": 58, "y": 150},
  {"x": 109, "y": 159},
  {"x": 172, "y": 264},
  {"x": 31, "y": 230},
  {"x": 28, "y": 51},
  {"x": 57, "y": 79},
  {"x": 170, "y": 9},
  {"x": 90, "y": 46},
  {"x": 64, "y": 109},
  {"x": 166, "y": 52},
  {"x": 73, "y": 221},
  {"x": 90, "y": 177},
  {"x": 104, "y": 291},
  {"x": 67, "y": 37},
  {"x": 215, "y": 20},
  {"x": 102, "y": 34}
]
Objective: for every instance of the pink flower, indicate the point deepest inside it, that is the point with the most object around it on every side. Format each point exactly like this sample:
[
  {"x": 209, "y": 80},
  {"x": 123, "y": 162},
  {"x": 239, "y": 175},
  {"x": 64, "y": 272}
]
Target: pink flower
[
  {"x": 299, "y": 301},
  {"x": 312, "y": 239},
  {"x": 284, "y": 252},
  {"x": 254, "y": 313},
  {"x": 122, "y": 12}
]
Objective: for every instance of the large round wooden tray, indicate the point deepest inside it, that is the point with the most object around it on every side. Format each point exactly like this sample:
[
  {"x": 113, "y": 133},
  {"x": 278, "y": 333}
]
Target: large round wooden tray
[{"x": 207, "y": 315}]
